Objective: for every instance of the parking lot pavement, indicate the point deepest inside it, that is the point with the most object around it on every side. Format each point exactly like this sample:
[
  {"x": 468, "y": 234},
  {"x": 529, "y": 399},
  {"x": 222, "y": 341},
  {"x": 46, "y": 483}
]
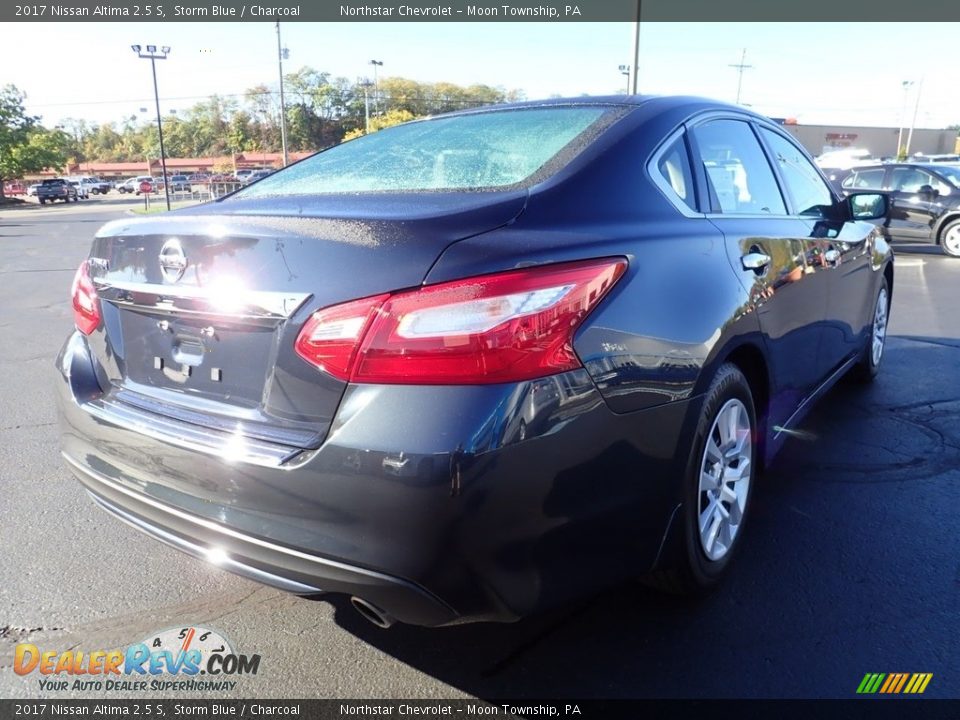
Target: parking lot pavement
[{"x": 850, "y": 563}]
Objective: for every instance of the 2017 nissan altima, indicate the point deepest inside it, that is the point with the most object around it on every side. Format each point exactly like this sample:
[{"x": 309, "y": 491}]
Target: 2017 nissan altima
[{"x": 472, "y": 366}]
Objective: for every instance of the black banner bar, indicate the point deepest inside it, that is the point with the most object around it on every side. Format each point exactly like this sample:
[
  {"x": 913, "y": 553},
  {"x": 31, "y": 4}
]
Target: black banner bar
[
  {"x": 475, "y": 11},
  {"x": 874, "y": 708}
]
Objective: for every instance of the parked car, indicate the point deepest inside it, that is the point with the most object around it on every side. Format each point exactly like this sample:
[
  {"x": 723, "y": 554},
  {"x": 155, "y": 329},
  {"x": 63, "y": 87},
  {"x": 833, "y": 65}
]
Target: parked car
[
  {"x": 258, "y": 175},
  {"x": 242, "y": 175},
  {"x": 96, "y": 185},
  {"x": 32, "y": 190},
  {"x": 133, "y": 184},
  {"x": 179, "y": 183},
  {"x": 924, "y": 201},
  {"x": 82, "y": 188},
  {"x": 581, "y": 329},
  {"x": 56, "y": 189},
  {"x": 940, "y": 158}
]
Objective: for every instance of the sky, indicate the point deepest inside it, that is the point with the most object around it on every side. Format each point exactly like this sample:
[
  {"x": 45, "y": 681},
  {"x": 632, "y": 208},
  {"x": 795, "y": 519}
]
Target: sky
[{"x": 817, "y": 73}]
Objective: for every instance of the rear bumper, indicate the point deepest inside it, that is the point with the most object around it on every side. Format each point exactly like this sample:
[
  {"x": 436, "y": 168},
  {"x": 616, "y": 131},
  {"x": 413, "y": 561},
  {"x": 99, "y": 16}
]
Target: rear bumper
[
  {"x": 436, "y": 504},
  {"x": 266, "y": 562}
]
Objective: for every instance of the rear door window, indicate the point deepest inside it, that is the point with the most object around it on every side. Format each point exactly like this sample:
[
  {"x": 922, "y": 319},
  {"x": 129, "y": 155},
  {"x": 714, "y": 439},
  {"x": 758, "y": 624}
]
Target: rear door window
[
  {"x": 739, "y": 178},
  {"x": 865, "y": 179}
]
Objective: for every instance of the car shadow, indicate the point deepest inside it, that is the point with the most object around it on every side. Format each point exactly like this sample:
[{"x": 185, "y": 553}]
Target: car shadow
[{"x": 792, "y": 595}]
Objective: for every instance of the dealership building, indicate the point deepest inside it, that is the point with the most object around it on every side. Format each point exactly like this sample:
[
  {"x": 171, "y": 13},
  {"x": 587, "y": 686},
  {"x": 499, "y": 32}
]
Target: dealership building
[{"x": 880, "y": 141}]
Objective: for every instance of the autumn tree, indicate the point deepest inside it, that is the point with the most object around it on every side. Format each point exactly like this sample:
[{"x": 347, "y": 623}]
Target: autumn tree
[{"x": 25, "y": 146}]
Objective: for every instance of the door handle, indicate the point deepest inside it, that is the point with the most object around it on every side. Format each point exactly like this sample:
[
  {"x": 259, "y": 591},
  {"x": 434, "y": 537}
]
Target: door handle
[
  {"x": 832, "y": 256},
  {"x": 755, "y": 261}
]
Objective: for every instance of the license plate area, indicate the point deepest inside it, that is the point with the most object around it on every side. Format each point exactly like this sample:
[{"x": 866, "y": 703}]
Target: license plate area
[{"x": 223, "y": 360}]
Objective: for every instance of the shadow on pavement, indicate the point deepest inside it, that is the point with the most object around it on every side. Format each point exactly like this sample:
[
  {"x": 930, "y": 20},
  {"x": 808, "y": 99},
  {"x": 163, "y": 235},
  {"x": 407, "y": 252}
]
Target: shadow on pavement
[{"x": 845, "y": 567}]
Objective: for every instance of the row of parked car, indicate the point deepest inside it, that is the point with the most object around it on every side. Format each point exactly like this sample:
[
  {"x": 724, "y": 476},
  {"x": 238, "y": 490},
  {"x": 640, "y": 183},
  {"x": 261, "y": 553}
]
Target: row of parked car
[{"x": 82, "y": 186}]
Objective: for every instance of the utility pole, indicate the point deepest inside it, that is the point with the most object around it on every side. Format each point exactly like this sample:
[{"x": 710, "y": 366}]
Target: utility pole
[
  {"x": 281, "y": 53},
  {"x": 741, "y": 66},
  {"x": 636, "y": 52},
  {"x": 916, "y": 109},
  {"x": 903, "y": 118}
]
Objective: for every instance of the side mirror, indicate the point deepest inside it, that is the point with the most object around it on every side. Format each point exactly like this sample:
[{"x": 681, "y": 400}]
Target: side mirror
[
  {"x": 867, "y": 206},
  {"x": 927, "y": 190}
]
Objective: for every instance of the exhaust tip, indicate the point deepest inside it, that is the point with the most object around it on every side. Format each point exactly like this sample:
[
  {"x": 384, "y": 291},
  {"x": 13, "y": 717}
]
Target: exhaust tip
[{"x": 372, "y": 613}]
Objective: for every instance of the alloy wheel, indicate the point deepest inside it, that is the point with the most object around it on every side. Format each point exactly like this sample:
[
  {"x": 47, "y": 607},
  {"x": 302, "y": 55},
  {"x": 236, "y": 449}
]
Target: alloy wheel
[
  {"x": 725, "y": 473},
  {"x": 879, "y": 327}
]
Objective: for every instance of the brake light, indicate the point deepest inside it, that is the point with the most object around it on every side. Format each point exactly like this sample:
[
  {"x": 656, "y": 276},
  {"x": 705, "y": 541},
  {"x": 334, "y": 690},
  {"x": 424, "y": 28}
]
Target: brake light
[
  {"x": 86, "y": 305},
  {"x": 504, "y": 327}
]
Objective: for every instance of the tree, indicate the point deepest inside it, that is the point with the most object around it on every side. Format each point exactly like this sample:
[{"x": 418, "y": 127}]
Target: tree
[
  {"x": 388, "y": 119},
  {"x": 25, "y": 146}
]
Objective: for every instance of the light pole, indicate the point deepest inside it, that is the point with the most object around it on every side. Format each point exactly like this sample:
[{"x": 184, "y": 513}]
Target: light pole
[
  {"x": 152, "y": 55},
  {"x": 282, "y": 53},
  {"x": 625, "y": 70},
  {"x": 376, "y": 85},
  {"x": 365, "y": 84},
  {"x": 903, "y": 116},
  {"x": 916, "y": 109}
]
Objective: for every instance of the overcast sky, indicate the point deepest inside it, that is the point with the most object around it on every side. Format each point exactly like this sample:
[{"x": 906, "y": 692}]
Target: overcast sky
[{"x": 830, "y": 73}]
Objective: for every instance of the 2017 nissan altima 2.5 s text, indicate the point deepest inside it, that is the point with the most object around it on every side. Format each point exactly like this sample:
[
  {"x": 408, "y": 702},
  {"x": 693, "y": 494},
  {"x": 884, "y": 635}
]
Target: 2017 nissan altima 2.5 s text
[{"x": 473, "y": 366}]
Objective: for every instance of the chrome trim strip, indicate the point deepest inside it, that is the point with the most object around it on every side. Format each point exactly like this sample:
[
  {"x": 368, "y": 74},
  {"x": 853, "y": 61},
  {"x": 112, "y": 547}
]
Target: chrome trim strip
[
  {"x": 229, "y": 447},
  {"x": 210, "y": 525},
  {"x": 243, "y": 304},
  {"x": 201, "y": 553}
]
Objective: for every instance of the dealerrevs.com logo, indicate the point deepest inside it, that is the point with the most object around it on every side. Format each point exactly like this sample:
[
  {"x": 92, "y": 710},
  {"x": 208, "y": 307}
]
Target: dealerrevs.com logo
[{"x": 182, "y": 653}]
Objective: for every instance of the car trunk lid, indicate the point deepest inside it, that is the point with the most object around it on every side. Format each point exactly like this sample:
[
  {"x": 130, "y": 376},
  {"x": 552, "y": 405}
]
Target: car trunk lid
[{"x": 201, "y": 308}]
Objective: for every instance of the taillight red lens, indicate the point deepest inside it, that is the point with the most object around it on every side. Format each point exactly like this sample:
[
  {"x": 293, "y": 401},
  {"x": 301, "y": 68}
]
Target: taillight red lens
[
  {"x": 506, "y": 327},
  {"x": 86, "y": 305}
]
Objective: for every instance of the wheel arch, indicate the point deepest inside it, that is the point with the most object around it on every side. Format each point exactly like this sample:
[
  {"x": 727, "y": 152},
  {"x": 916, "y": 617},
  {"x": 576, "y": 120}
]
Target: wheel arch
[
  {"x": 943, "y": 223},
  {"x": 752, "y": 362}
]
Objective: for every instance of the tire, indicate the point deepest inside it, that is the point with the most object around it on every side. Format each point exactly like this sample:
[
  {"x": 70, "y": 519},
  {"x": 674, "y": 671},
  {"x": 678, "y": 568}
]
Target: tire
[
  {"x": 96, "y": 191},
  {"x": 719, "y": 504},
  {"x": 950, "y": 238},
  {"x": 869, "y": 364},
  {"x": 43, "y": 201}
]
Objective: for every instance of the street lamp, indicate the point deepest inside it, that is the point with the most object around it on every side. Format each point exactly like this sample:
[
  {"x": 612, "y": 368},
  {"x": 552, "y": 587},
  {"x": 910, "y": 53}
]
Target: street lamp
[
  {"x": 282, "y": 53},
  {"x": 903, "y": 115},
  {"x": 376, "y": 85},
  {"x": 365, "y": 84},
  {"x": 625, "y": 70},
  {"x": 152, "y": 55}
]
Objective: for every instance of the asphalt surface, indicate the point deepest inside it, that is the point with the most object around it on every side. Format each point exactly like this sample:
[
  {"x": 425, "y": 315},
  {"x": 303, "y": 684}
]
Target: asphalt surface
[{"x": 851, "y": 562}]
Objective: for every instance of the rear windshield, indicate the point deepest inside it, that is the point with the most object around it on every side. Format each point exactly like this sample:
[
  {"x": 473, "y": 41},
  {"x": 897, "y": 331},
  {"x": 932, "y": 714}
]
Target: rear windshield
[{"x": 486, "y": 150}]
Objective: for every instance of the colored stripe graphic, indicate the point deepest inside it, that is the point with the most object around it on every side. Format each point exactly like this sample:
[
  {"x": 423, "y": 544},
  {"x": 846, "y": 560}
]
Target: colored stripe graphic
[{"x": 894, "y": 683}]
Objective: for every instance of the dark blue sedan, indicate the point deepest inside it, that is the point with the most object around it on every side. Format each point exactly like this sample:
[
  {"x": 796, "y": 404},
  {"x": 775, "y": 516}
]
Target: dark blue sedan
[{"x": 477, "y": 365}]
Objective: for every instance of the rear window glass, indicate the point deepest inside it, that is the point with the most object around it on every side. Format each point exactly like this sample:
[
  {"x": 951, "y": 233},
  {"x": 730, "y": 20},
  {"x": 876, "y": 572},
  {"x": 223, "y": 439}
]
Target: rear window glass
[{"x": 485, "y": 150}]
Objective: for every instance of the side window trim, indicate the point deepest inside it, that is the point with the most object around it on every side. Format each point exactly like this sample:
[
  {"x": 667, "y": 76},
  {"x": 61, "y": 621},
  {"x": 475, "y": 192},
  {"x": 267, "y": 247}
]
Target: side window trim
[{"x": 653, "y": 172}]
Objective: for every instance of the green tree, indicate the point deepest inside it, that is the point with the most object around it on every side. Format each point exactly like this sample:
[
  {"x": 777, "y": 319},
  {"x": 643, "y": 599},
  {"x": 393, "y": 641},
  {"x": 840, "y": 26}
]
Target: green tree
[{"x": 25, "y": 146}]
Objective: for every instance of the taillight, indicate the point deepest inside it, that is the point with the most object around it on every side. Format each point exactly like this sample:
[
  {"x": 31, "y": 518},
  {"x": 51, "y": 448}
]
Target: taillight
[
  {"x": 505, "y": 327},
  {"x": 86, "y": 306}
]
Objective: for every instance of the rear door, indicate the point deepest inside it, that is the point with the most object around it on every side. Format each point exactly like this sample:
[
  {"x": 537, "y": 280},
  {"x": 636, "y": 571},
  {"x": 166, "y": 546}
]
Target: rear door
[
  {"x": 769, "y": 249},
  {"x": 912, "y": 203}
]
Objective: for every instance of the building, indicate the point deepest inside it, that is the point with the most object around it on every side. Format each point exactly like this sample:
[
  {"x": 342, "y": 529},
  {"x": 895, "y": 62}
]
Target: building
[
  {"x": 880, "y": 141},
  {"x": 175, "y": 166}
]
